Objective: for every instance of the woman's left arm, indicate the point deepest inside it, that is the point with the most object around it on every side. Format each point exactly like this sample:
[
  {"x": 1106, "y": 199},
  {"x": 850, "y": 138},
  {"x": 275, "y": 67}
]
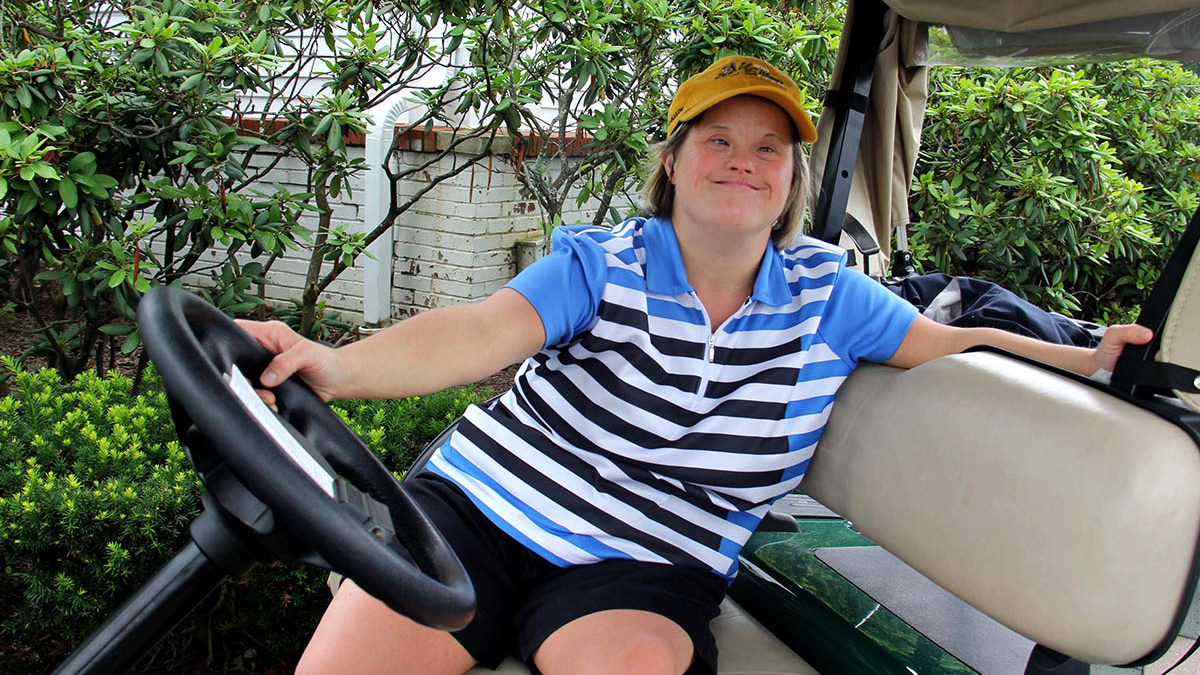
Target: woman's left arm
[{"x": 927, "y": 340}]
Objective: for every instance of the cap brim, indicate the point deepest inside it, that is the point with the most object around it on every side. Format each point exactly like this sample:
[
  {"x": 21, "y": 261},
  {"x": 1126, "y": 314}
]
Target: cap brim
[{"x": 799, "y": 117}]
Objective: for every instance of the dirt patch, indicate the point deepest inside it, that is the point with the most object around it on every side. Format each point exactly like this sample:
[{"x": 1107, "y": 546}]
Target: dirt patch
[
  {"x": 19, "y": 326},
  {"x": 501, "y": 381},
  {"x": 15, "y": 329}
]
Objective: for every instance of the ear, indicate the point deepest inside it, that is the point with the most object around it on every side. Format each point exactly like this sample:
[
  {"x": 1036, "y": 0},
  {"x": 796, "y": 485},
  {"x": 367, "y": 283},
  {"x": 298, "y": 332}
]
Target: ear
[{"x": 668, "y": 161}]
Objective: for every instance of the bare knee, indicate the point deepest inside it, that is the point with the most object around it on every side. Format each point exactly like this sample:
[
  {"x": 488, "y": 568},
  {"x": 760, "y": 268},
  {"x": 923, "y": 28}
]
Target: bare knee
[
  {"x": 646, "y": 654},
  {"x": 639, "y": 655},
  {"x": 616, "y": 642},
  {"x": 416, "y": 653}
]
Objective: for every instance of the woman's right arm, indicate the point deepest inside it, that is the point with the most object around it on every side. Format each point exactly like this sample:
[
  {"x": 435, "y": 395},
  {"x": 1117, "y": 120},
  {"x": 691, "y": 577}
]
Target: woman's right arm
[{"x": 440, "y": 348}]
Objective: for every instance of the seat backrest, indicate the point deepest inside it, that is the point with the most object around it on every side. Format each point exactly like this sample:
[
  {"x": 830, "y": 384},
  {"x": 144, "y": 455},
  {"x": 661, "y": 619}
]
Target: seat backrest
[{"x": 1066, "y": 513}]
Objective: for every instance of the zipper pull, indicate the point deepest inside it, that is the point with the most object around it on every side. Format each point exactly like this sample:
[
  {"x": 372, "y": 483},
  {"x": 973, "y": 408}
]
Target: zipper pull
[{"x": 712, "y": 351}]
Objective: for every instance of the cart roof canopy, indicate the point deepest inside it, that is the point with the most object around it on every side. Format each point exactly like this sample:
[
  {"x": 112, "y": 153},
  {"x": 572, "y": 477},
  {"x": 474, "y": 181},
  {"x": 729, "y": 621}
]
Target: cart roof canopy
[{"x": 1026, "y": 15}]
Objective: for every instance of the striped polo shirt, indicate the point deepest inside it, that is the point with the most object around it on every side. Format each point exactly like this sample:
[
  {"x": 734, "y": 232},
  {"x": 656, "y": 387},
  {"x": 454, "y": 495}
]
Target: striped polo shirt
[{"x": 640, "y": 431}]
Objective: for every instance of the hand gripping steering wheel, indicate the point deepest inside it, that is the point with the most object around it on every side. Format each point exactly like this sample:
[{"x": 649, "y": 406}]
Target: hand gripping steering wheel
[
  {"x": 296, "y": 486},
  {"x": 411, "y": 569}
]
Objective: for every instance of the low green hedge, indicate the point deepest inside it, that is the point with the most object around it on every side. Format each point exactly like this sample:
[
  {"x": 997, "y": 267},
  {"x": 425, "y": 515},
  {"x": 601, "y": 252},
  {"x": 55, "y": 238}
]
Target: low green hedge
[{"x": 96, "y": 494}]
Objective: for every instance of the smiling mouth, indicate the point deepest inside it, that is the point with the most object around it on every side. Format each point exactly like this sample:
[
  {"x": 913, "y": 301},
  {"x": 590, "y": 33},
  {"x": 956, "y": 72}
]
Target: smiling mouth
[{"x": 737, "y": 184}]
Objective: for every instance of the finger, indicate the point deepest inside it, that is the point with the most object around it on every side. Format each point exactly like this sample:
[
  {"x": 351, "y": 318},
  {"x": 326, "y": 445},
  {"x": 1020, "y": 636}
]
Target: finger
[
  {"x": 279, "y": 339},
  {"x": 275, "y": 336},
  {"x": 1139, "y": 335},
  {"x": 297, "y": 357},
  {"x": 1114, "y": 341},
  {"x": 279, "y": 369},
  {"x": 268, "y": 397},
  {"x": 1117, "y": 337}
]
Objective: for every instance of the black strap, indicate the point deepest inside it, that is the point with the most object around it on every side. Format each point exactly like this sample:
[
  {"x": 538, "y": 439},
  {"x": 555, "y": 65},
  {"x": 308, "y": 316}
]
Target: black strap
[
  {"x": 1136, "y": 372},
  {"x": 1159, "y": 375},
  {"x": 846, "y": 100}
]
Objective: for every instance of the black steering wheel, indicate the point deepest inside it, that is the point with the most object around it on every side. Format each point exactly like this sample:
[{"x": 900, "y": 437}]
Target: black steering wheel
[{"x": 344, "y": 511}]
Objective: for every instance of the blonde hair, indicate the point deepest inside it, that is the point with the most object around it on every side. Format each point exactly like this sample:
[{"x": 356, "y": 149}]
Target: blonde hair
[{"x": 659, "y": 192}]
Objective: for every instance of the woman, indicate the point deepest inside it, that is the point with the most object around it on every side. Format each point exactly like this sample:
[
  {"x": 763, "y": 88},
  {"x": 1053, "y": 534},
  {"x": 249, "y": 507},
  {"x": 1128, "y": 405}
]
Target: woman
[{"x": 678, "y": 373}]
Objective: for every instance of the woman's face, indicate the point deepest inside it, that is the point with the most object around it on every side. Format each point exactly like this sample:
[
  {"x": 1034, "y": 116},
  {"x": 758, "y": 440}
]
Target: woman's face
[{"x": 734, "y": 169}]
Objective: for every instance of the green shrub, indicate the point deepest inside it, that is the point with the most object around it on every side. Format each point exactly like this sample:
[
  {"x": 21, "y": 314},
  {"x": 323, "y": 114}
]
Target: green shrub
[
  {"x": 1068, "y": 186},
  {"x": 119, "y": 164},
  {"x": 96, "y": 495},
  {"x": 399, "y": 430}
]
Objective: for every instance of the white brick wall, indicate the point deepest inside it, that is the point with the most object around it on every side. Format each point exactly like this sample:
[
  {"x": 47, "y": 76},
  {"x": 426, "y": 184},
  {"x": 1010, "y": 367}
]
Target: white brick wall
[
  {"x": 286, "y": 276},
  {"x": 455, "y": 245}
]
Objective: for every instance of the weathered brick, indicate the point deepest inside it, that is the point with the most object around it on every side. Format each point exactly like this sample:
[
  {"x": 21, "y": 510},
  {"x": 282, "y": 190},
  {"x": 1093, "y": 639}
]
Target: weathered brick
[
  {"x": 409, "y": 277},
  {"x": 489, "y": 287},
  {"x": 491, "y": 275},
  {"x": 450, "y": 287}
]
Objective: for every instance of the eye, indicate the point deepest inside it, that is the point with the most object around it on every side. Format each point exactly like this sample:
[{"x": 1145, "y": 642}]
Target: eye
[
  {"x": 718, "y": 140},
  {"x": 768, "y": 149}
]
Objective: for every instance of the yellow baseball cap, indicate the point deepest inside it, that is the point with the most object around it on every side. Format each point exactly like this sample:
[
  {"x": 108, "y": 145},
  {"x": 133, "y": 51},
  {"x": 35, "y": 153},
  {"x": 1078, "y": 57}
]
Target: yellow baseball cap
[{"x": 734, "y": 76}]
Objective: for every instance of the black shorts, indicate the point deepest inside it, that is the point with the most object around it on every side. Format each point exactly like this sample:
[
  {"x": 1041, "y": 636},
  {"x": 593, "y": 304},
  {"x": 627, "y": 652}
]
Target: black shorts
[{"x": 522, "y": 598}]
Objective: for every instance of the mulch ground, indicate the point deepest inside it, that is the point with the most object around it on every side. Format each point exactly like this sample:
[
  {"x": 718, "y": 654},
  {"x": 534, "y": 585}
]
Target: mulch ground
[{"x": 15, "y": 329}]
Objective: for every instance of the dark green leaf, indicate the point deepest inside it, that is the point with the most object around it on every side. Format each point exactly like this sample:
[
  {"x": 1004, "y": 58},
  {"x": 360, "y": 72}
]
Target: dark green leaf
[
  {"x": 68, "y": 192},
  {"x": 130, "y": 344},
  {"x": 117, "y": 328},
  {"x": 191, "y": 82}
]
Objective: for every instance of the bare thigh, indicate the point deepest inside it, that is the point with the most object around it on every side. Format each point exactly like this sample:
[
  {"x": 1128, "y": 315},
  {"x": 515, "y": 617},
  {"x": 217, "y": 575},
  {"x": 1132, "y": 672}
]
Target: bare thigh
[
  {"x": 616, "y": 641},
  {"x": 359, "y": 634}
]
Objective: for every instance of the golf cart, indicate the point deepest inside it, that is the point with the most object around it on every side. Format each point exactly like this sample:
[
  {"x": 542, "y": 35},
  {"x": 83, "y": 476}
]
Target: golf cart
[{"x": 978, "y": 513}]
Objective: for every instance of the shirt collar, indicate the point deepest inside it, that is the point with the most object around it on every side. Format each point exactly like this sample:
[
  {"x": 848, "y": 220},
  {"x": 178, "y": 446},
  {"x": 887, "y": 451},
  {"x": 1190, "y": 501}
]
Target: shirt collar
[{"x": 665, "y": 274}]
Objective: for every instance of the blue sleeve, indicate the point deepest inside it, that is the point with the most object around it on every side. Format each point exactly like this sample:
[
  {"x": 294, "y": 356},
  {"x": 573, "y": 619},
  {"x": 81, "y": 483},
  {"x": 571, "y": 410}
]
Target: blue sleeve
[
  {"x": 864, "y": 321},
  {"x": 565, "y": 286}
]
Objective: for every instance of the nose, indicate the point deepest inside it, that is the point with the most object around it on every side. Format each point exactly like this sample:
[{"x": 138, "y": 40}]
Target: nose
[{"x": 741, "y": 159}]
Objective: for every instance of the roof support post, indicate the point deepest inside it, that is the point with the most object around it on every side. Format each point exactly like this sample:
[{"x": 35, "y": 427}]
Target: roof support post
[{"x": 847, "y": 102}]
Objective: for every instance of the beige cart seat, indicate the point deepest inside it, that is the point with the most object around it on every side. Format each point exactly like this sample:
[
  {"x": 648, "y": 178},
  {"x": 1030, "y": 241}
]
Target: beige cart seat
[
  {"x": 1065, "y": 510},
  {"x": 1065, "y": 513}
]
